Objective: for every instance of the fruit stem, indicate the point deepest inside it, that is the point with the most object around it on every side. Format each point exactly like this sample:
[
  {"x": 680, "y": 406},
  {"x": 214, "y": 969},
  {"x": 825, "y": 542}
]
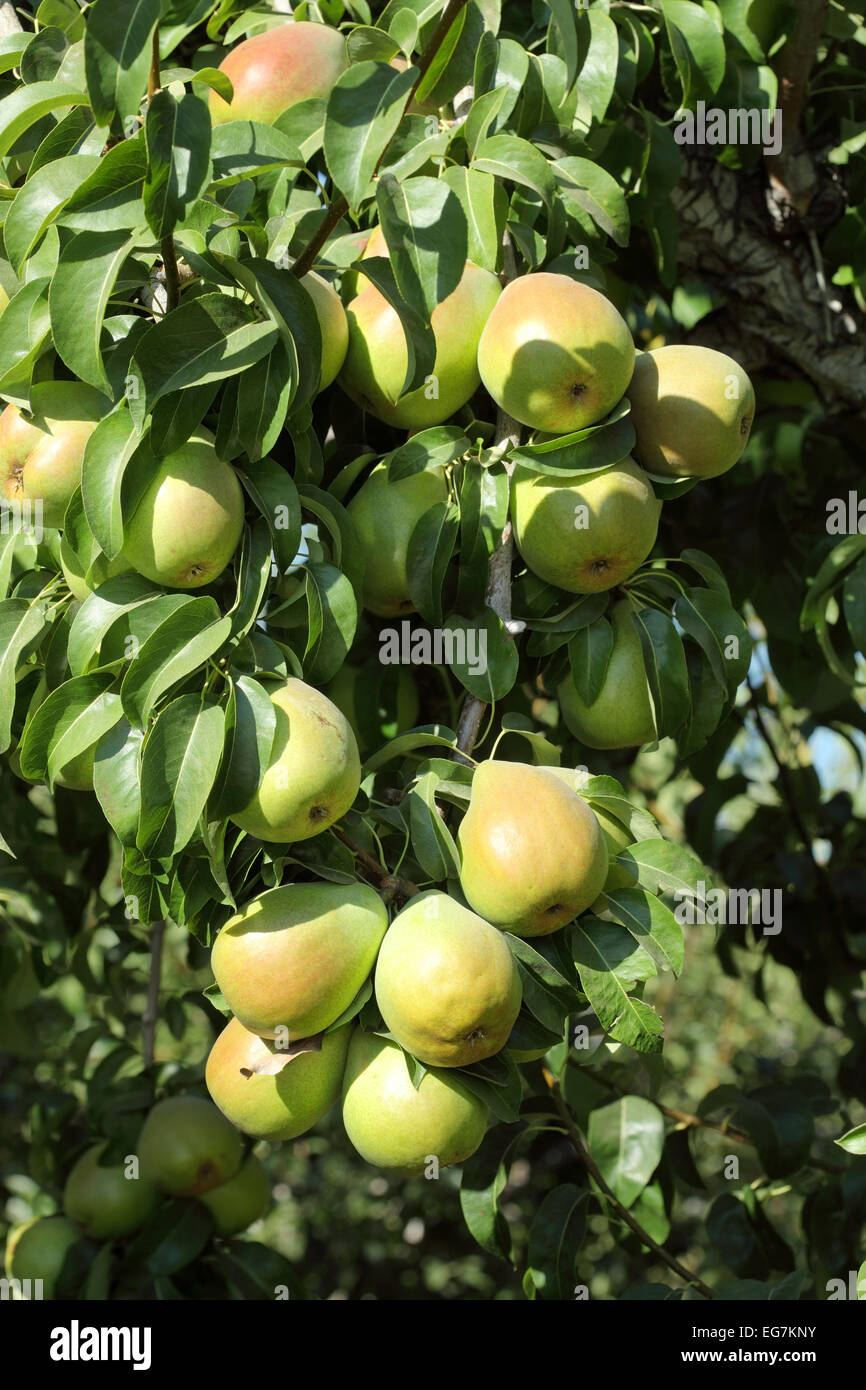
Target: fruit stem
[
  {"x": 340, "y": 206},
  {"x": 578, "y": 1143},
  {"x": 154, "y": 77},
  {"x": 150, "y": 1017}
]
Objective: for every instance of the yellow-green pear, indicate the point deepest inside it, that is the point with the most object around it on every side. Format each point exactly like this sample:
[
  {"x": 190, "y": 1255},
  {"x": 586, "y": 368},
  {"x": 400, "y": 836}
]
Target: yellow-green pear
[
  {"x": 384, "y": 515},
  {"x": 533, "y": 855},
  {"x": 265, "y": 1094},
  {"x": 555, "y": 354},
  {"x": 622, "y": 714},
  {"x": 588, "y": 533},
  {"x": 274, "y": 70},
  {"x": 692, "y": 409},
  {"x": 41, "y": 456},
  {"x": 240, "y": 1201},
  {"x": 38, "y": 1249},
  {"x": 101, "y": 569},
  {"x": 314, "y": 771},
  {"x": 104, "y": 1200},
  {"x": 401, "y": 1129},
  {"x": 294, "y": 958},
  {"x": 377, "y": 359},
  {"x": 186, "y": 1146},
  {"x": 332, "y": 324},
  {"x": 446, "y": 983},
  {"x": 188, "y": 524}
]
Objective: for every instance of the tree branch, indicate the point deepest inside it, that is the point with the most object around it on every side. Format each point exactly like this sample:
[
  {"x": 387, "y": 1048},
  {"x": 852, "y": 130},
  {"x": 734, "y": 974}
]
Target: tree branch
[
  {"x": 791, "y": 171},
  {"x": 172, "y": 274},
  {"x": 390, "y": 886},
  {"x": 150, "y": 1017},
  {"x": 340, "y": 206},
  {"x": 9, "y": 21},
  {"x": 578, "y": 1143}
]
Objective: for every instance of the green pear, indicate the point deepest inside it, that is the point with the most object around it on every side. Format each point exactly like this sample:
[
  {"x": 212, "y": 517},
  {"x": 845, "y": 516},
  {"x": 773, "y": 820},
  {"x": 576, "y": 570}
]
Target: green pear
[
  {"x": 104, "y": 1200},
  {"x": 622, "y": 714},
  {"x": 588, "y": 533},
  {"x": 41, "y": 457},
  {"x": 186, "y": 1146},
  {"x": 267, "y": 1094},
  {"x": 101, "y": 569},
  {"x": 242, "y": 1200},
  {"x": 38, "y": 1249},
  {"x": 384, "y": 515},
  {"x": 332, "y": 323},
  {"x": 377, "y": 359},
  {"x": 295, "y": 957},
  {"x": 446, "y": 983},
  {"x": 188, "y": 524},
  {"x": 555, "y": 354},
  {"x": 314, "y": 771},
  {"x": 400, "y": 1128},
  {"x": 276, "y": 69},
  {"x": 692, "y": 410},
  {"x": 533, "y": 855}
]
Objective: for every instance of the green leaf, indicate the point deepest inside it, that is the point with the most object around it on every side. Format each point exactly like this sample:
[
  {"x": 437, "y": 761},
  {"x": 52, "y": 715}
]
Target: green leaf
[
  {"x": 179, "y": 765},
  {"x": 485, "y": 206},
  {"x": 333, "y": 618},
  {"x": 244, "y": 149},
  {"x": 39, "y": 201},
  {"x": 178, "y": 135},
  {"x": 21, "y": 623},
  {"x": 697, "y": 46},
  {"x": 593, "y": 190},
  {"x": 265, "y": 393},
  {"x": 205, "y": 339},
  {"x": 24, "y": 326},
  {"x": 431, "y": 546},
  {"x": 273, "y": 491},
  {"x": 482, "y": 1183},
  {"x": 181, "y": 644},
  {"x": 665, "y": 868},
  {"x": 707, "y": 616},
  {"x": 117, "y": 600},
  {"x": 68, "y": 721},
  {"x": 486, "y": 661},
  {"x": 80, "y": 290},
  {"x": 417, "y": 329},
  {"x": 589, "y": 653},
  {"x": 509, "y": 157},
  {"x": 854, "y": 1141},
  {"x": 27, "y": 105},
  {"x": 608, "y": 962},
  {"x": 563, "y": 12},
  {"x": 250, "y": 727},
  {"x": 363, "y": 112},
  {"x": 110, "y": 198},
  {"x": 651, "y": 923},
  {"x": 117, "y": 55},
  {"x": 598, "y": 71},
  {"x": 117, "y": 779},
  {"x": 427, "y": 268},
  {"x": 432, "y": 841},
  {"x": 666, "y": 670},
  {"x": 555, "y": 1238},
  {"x": 441, "y": 444},
  {"x": 106, "y": 455},
  {"x": 626, "y": 1139}
]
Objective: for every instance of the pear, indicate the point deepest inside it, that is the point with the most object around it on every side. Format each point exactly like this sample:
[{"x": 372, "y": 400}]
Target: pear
[
  {"x": 314, "y": 771},
  {"x": 295, "y": 957},
  {"x": 333, "y": 325},
  {"x": 266, "y": 1095},
  {"x": 400, "y": 1128},
  {"x": 446, "y": 983},
  {"x": 692, "y": 409},
  {"x": 103, "y": 1200},
  {"x": 38, "y": 1250},
  {"x": 555, "y": 354},
  {"x": 274, "y": 70},
  {"x": 102, "y": 569},
  {"x": 186, "y": 1146},
  {"x": 585, "y": 534},
  {"x": 240, "y": 1201},
  {"x": 188, "y": 524},
  {"x": 41, "y": 457},
  {"x": 533, "y": 855},
  {"x": 377, "y": 360},
  {"x": 622, "y": 714},
  {"x": 384, "y": 515}
]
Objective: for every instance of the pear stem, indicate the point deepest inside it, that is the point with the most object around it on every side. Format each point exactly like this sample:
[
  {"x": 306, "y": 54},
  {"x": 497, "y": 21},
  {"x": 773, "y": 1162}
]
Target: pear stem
[{"x": 578, "y": 1143}]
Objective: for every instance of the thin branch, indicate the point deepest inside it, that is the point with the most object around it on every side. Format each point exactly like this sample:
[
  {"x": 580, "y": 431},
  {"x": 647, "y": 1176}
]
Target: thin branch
[
  {"x": 578, "y": 1143},
  {"x": 172, "y": 274},
  {"x": 791, "y": 172},
  {"x": 150, "y": 1016},
  {"x": 340, "y": 206},
  {"x": 390, "y": 885}
]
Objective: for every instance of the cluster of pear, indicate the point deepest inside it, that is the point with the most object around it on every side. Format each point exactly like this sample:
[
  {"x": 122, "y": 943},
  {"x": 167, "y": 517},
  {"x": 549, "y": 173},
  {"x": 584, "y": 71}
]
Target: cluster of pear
[
  {"x": 292, "y": 963},
  {"x": 186, "y": 1149}
]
